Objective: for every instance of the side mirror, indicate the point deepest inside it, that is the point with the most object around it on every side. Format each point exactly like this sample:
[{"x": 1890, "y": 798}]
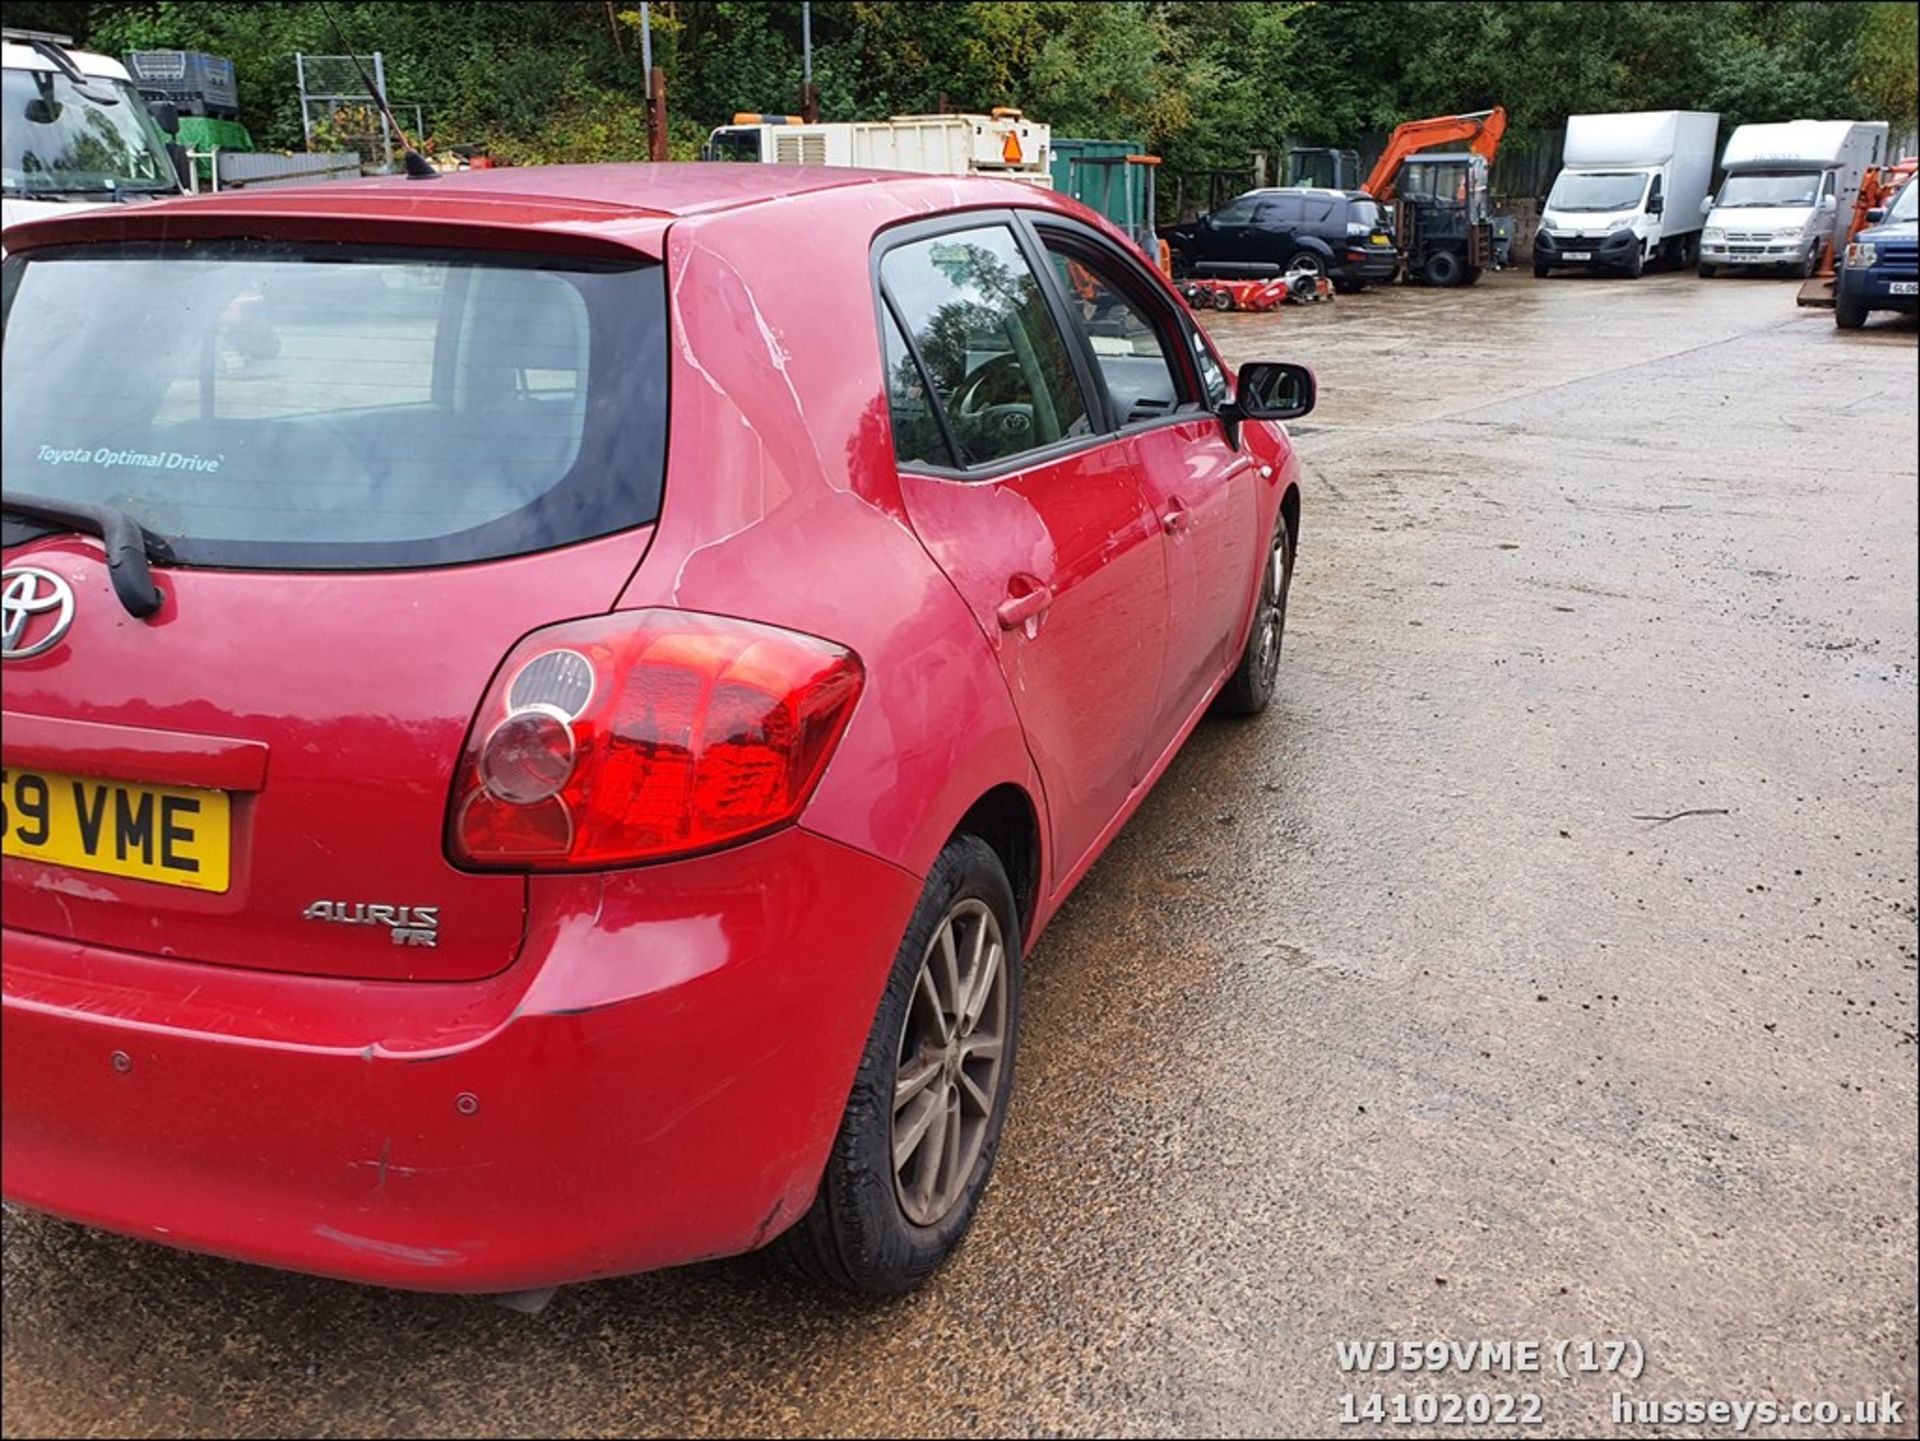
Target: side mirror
[
  {"x": 1706, "y": 206},
  {"x": 1877, "y": 214},
  {"x": 1828, "y": 203},
  {"x": 166, "y": 115},
  {"x": 1656, "y": 205},
  {"x": 1269, "y": 390}
]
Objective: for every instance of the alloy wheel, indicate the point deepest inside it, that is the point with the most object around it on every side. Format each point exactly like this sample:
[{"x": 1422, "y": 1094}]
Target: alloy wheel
[
  {"x": 1272, "y": 618},
  {"x": 952, "y": 1049}
]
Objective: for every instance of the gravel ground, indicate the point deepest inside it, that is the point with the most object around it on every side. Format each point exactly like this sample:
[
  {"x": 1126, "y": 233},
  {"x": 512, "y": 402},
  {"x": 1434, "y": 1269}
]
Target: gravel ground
[{"x": 1392, "y": 1014}]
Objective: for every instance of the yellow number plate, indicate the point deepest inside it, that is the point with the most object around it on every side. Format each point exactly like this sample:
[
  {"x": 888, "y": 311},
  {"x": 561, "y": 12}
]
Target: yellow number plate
[
  {"x": 1378, "y": 240},
  {"x": 168, "y": 834}
]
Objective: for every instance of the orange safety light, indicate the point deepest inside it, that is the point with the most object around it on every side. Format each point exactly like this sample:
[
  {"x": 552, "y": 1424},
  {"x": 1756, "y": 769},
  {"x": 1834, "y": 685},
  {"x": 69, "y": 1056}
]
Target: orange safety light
[{"x": 1010, "y": 148}]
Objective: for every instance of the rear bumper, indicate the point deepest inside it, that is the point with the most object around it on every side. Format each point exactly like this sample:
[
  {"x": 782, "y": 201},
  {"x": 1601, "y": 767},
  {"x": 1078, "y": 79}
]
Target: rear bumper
[
  {"x": 656, "y": 1081},
  {"x": 1367, "y": 264}
]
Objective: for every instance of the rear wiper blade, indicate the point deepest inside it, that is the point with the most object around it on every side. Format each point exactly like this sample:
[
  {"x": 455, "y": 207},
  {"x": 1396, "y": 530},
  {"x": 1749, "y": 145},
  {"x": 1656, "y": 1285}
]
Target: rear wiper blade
[{"x": 129, "y": 544}]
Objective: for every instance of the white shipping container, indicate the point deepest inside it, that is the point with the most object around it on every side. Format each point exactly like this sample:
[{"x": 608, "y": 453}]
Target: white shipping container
[{"x": 1003, "y": 145}]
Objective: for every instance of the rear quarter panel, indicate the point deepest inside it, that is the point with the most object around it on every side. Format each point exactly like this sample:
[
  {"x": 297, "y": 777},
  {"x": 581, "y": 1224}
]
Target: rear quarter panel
[{"x": 782, "y": 504}]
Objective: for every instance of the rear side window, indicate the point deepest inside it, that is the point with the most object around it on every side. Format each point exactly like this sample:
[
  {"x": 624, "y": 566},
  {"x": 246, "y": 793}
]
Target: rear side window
[
  {"x": 917, "y": 436},
  {"x": 979, "y": 322},
  {"x": 312, "y": 407},
  {"x": 1363, "y": 213},
  {"x": 1283, "y": 210}
]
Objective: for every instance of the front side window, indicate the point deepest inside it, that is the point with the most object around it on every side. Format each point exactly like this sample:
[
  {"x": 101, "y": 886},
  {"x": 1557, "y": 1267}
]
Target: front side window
[
  {"x": 978, "y": 318},
  {"x": 1236, "y": 212},
  {"x": 1131, "y": 356},
  {"x": 1212, "y": 377},
  {"x": 301, "y": 406}
]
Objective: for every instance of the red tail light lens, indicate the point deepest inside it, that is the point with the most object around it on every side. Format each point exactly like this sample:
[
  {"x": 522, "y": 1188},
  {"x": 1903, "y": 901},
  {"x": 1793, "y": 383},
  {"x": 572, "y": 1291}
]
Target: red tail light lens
[{"x": 643, "y": 735}]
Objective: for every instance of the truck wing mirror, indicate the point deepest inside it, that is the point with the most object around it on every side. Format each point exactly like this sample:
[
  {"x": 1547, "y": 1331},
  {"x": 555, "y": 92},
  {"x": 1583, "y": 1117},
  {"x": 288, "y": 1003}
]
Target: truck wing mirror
[
  {"x": 1706, "y": 206},
  {"x": 1656, "y": 206},
  {"x": 1877, "y": 214}
]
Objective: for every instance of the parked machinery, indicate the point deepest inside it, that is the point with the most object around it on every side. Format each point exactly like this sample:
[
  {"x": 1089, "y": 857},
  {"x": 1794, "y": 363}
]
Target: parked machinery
[{"x": 1443, "y": 222}]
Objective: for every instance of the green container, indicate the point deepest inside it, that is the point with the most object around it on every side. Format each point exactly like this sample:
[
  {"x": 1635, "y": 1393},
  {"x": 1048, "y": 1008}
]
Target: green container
[
  {"x": 202, "y": 133},
  {"x": 1115, "y": 191}
]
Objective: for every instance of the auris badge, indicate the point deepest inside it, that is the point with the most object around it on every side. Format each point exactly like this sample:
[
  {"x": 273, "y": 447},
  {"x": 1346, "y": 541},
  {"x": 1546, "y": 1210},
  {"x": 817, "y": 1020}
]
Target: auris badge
[
  {"x": 36, "y": 607},
  {"x": 409, "y": 925}
]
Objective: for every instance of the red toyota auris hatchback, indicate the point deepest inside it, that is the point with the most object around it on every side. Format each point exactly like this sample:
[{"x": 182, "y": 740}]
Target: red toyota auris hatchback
[{"x": 544, "y": 709}]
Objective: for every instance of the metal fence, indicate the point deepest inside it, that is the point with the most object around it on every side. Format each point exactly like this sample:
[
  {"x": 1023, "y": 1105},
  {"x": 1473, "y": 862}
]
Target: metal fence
[{"x": 337, "y": 113}]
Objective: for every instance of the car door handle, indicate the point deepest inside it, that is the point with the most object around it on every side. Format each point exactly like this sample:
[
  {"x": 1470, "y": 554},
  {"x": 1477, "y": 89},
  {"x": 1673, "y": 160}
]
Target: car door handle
[
  {"x": 1016, "y": 610},
  {"x": 1174, "y": 518}
]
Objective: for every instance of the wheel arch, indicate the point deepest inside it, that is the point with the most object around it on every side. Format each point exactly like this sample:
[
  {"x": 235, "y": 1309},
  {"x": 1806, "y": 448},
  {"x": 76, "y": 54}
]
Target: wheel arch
[{"x": 1007, "y": 819}]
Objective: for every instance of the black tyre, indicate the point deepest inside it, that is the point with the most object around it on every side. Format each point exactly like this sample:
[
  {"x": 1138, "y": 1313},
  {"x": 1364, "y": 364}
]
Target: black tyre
[
  {"x": 1707, "y": 272},
  {"x": 1849, "y": 312},
  {"x": 1541, "y": 272},
  {"x": 1251, "y": 686},
  {"x": 1637, "y": 265},
  {"x": 1810, "y": 263},
  {"x": 1442, "y": 267},
  {"x": 932, "y": 1089}
]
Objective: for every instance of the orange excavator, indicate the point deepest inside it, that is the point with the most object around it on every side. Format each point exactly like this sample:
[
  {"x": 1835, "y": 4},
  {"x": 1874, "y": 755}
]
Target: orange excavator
[
  {"x": 1878, "y": 185},
  {"x": 1442, "y": 222},
  {"x": 1479, "y": 131}
]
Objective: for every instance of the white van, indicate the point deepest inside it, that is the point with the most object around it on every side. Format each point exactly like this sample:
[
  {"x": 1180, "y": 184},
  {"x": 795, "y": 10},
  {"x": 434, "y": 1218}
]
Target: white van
[
  {"x": 1789, "y": 188},
  {"x": 74, "y": 131},
  {"x": 1630, "y": 193}
]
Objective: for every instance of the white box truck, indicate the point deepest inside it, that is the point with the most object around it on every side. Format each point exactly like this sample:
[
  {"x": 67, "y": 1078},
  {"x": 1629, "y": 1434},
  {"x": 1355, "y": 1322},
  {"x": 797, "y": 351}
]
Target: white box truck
[
  {"x": 1629, "y": 193},
  {"x": 1789, "y": 188},
  {"x": 1003, "y": 143},
  {"x": 76, "y": 133}
]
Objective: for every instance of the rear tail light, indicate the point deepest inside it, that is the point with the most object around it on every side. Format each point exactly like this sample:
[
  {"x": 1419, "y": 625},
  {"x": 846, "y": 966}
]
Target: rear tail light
[{"x": 643, "y": 735}]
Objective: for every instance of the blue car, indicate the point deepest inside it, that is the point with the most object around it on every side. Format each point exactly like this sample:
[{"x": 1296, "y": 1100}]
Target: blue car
[{"x": 1882, "y": 271}]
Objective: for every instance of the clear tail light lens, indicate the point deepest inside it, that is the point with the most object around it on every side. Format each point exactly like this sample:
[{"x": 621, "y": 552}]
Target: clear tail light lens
[{"x": 643, "y": 735}]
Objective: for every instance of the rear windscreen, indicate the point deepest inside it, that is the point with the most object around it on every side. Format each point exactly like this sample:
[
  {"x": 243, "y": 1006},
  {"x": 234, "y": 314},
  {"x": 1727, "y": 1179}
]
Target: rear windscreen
[{"x": 313, "y": 406}]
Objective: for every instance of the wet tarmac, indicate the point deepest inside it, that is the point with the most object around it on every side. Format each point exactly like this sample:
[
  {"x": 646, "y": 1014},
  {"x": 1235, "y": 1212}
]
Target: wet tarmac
[{"x": 1401, "y": 1012}]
